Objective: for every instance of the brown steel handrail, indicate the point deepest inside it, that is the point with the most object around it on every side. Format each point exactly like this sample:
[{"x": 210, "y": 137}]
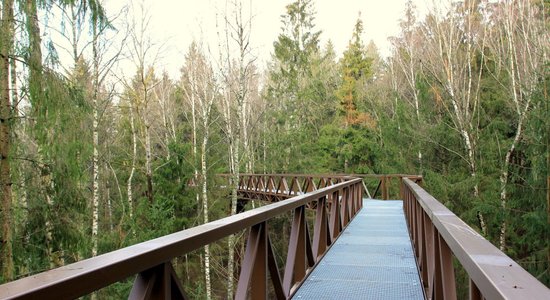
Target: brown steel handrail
[
  {"x": 384, "y": 182},
  {"x": 151, "y": 260},
  {"x": 277, "y": 187},
  {"x": 438, "y": 235}
]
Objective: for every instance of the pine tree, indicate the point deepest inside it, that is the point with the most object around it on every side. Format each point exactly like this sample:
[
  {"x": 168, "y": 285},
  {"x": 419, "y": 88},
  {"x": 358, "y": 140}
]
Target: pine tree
[
  {"x": 356, "y": 67},
  {"x": 290, "y": 91}
]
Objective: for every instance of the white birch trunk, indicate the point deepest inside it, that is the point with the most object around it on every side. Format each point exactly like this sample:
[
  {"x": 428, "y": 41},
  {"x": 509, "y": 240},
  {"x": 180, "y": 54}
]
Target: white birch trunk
[
  {"x": 162, "y": 103},
  {"x": 205, "y": 210},
  {"x": 457, "y": 80},
  {"x": 95, "y": 143},
  {"x": 148, "y": 169},
  {"x": 523, "y": 69},
  {"x": 231, "y": 240},
  {"x": 129, "y": 185},
  {"x": 95, "y": 183}
]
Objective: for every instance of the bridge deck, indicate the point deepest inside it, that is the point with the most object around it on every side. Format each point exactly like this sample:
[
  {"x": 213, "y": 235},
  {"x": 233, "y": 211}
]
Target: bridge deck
[{"x": 372, "y": 259}]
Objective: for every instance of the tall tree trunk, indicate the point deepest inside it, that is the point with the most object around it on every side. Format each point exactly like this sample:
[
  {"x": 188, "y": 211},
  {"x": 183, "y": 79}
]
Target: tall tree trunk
[
  {"x": 200, "y": 110},
  {"x": 233, "y": 183},
  {"x": 264, "y": 144},
  {"x": 241, "y": 35},
  {"x": 147, "y": 125},
  {"x": 134, "y": 157},
  {"x": 74, "y": 31},
  {"x": 191, "y": 95},
  {"x": 166, "y": 127},
  {"x": 6, "y": 44},
  {"x": 148, "y": 157},
  {"x": 204, "y": 184},
  {"x": 456, "y": 76},
  {"x": 205, "y": 265},
  {"x": 523, "y": 79},
  {"x": 38, "y": 102},
  {"x": 95, "y": 139},
  {"x": 234, "y": 169}
]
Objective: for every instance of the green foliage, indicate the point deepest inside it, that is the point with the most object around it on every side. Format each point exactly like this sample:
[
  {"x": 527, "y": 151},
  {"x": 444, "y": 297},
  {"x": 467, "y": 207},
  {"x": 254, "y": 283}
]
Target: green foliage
[
  {"x": 61, "y": 164},
  {"x": 298, "y": 41},
  {"x": 307, "y": 95},
  {"x": 171, "y": 180},
  {"x": 356, "y": 68}
]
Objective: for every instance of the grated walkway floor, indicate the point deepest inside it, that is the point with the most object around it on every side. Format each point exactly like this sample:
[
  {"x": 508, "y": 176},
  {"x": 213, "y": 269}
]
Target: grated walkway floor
[{"x": 372, "y": 259}]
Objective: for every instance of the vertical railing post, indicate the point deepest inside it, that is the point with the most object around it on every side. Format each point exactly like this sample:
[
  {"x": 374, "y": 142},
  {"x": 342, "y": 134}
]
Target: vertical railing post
[
  {"x": 475, "y": 293},
  {"x": 351, "y": 201},
  {"x": 447, "y": 270},
  {"x": 159, "y": 282},
  {"x": 401, "y": 188},
  {"x": 424, "y": 248},
  {"x": 438, "y": 276},
  {"x": 384, "y": 187},
  {"x": 345, "y": 207},
  {"x": 320, "y": 231},
  {"x": 360, "y": 195},
  {"x": 254, "y": 268},
  {"x": 334, "y": 222},
  {"x": 416, "y": 237},
  {"x": 429, "y": 258},
  {"x": 388, "y": 183},
  {"x": 296, "y": 257},
  {"x": 407, "y": 205}
]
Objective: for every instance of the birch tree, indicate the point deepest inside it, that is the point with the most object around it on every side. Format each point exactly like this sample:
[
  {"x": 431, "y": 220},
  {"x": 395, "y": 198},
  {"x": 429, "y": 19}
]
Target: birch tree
[
  {"x": 77, "y": 13},
  {"x": 101, "y": 66},
  {"x": 235, "y": 103},
  {"x": 144, "y": 53},
  {"x": 167, "y": 110},
  {"x": 201, "y": 90},
  {"x": 405, "y": 62},
  {"x": 129, "y": 183},
  {"x": 521, "y": 42},
  {"x": 452, "y": 43}
]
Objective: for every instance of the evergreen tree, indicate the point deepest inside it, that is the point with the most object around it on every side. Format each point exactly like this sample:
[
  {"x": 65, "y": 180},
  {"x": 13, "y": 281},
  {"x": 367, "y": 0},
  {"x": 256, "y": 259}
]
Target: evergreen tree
[
  {"x": 6, "y": 121},
  {"x": 288, "y": 94},
  {"x": 356, "y": 67}
]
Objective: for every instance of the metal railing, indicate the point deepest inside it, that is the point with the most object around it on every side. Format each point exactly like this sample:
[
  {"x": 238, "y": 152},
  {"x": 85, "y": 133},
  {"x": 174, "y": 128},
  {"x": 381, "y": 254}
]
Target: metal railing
[
  {"x": 384, "y": 183},
  {"x": 336, "y": 205},
  {"x": 438, "y": 235},
  {"x": 277, "y": 187}
]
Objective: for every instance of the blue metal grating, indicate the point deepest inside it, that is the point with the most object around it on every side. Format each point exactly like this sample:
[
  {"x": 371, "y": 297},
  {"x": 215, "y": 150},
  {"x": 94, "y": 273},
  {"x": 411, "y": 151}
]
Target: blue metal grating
[{"x": 372, "y": 259}]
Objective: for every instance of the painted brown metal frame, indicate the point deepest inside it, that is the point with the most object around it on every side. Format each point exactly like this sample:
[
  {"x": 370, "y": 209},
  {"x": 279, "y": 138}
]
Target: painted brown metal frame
[
  {"x": 438, "y": 235},
  {"x": 278, "y": 187},
  {"x": 385, "y": 182},
  {"x": 336, "y": 205}
]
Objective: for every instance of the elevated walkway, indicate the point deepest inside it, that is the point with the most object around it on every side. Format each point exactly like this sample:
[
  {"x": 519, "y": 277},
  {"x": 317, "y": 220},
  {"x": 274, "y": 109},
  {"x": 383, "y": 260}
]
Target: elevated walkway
[
  {"x": 369, "y": 257},
  {"x": 372, "y": 259}
]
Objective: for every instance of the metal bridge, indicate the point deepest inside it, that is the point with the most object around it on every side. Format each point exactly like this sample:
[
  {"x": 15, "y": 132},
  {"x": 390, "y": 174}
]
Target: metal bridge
[{"x": 360, "y": 248}]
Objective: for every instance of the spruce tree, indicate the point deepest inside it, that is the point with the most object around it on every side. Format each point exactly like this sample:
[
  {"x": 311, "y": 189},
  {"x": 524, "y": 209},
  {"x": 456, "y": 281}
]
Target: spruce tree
[{"x": 356, "y": 67}]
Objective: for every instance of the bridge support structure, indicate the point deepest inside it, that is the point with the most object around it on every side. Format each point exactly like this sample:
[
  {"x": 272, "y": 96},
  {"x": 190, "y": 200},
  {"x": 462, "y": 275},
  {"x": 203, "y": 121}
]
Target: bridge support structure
[
  {"x": 335, "y": 206},
  {"x": 438, "y": 235}
]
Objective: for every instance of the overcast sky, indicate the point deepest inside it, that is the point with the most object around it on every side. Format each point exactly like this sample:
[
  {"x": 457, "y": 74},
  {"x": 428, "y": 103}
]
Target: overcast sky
[{"x": 175, "y": 23}]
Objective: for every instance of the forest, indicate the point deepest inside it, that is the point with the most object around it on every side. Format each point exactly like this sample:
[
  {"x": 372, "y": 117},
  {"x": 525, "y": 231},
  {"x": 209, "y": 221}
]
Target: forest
[{"x": 93, "y": 160}]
